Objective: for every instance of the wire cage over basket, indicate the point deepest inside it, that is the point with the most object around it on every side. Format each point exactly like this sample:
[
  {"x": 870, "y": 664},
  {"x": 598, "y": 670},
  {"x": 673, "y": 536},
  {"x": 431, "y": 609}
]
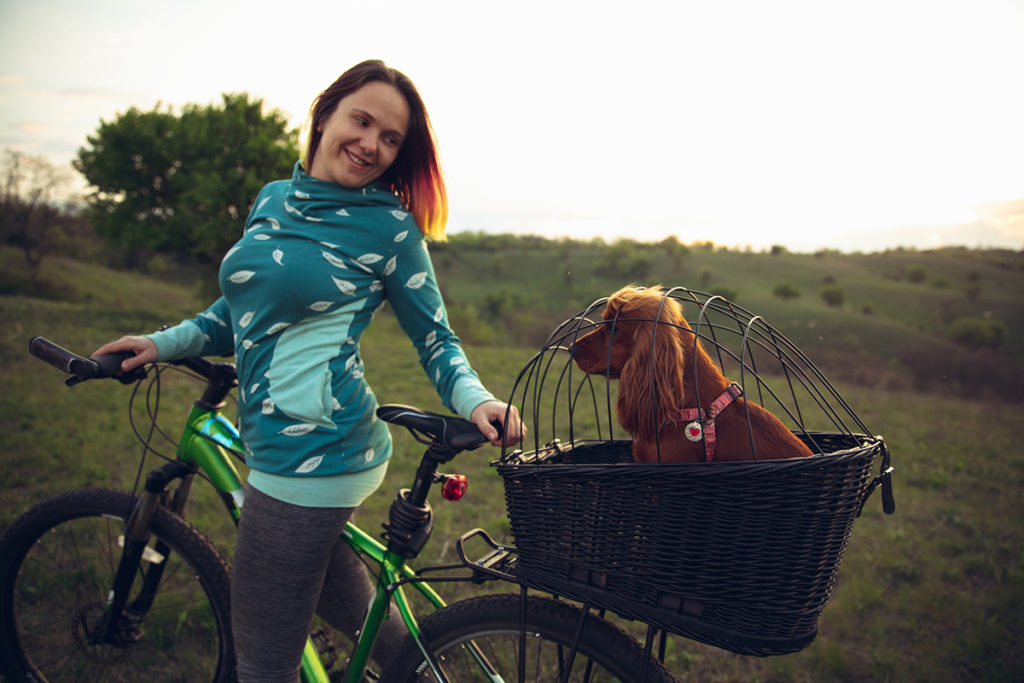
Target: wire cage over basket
[{"x": 738, "y": 554}]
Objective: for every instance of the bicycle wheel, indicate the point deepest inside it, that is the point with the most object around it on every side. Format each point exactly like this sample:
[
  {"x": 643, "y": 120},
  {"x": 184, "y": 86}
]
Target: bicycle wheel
[
  {"x": 57, "y": 567},
  {"x": 605, "y": 652}
]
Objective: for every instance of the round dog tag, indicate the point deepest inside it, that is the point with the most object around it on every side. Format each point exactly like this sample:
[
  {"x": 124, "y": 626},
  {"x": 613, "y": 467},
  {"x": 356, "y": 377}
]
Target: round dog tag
[{"x": 694, "y": 431}]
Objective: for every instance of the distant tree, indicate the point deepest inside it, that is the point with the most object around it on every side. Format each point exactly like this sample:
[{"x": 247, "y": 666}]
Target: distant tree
[
  {"x": 30, "y": 214},
  {"x": 778, "y": 250},
  {"x": 832, "y": 295},
  {"x": 978, "y": 333},
  {"x": 626, "y": 259},
  {"x": 785, "y": 291},
  {"x": 184, "y": 183},
  {"x": 917, "y": 274},
  {"x": 676, "y": 250}
]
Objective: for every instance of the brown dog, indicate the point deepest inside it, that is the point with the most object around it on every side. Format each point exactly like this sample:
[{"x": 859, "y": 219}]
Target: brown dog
[{"x": 665, "y": 421}]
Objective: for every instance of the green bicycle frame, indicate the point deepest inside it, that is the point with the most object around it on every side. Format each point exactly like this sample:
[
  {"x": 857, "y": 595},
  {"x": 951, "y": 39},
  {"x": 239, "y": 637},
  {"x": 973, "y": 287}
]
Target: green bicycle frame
[{"x": 208, "y": 441}]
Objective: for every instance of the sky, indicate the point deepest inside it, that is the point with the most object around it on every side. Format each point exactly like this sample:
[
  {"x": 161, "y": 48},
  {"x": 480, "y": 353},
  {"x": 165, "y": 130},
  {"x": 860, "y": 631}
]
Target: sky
[{"x": 810, "y": 124}]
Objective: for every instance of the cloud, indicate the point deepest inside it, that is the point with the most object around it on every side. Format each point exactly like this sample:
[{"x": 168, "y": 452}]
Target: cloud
[
  {"x": 29, "y": 127},
  {"x": 93, "y": 93},
  {"x": 1005, "y": 219}
]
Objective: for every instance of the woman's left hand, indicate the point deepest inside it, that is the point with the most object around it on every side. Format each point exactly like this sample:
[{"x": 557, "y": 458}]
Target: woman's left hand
[{"x": 507, "y": 416}]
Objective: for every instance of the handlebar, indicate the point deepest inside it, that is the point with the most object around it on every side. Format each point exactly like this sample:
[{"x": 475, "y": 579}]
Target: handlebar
[
  {"x": 83, "y": 368},
  {"x": 220, "y": 377}
]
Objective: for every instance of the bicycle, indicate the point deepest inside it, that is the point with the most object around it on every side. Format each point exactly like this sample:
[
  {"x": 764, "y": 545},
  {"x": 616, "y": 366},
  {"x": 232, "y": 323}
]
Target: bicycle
[{"x": 99, "y": 584}]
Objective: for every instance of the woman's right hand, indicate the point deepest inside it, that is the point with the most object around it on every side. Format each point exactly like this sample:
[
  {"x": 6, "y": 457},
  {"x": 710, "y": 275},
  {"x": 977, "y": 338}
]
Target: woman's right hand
[{"x": 143, "y": 348}]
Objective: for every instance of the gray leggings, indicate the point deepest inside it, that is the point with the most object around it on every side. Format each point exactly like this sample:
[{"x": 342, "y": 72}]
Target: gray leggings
[{"x": 289, "y": 561}]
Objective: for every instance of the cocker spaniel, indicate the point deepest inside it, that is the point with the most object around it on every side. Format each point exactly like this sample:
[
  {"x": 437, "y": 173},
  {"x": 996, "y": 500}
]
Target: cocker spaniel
[{"x": 657, "y": 396}]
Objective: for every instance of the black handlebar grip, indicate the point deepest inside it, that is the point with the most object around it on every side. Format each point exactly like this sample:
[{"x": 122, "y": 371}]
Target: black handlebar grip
[
  {"x": 55, "y": 355},
  {"x": 110, "y": 363}
]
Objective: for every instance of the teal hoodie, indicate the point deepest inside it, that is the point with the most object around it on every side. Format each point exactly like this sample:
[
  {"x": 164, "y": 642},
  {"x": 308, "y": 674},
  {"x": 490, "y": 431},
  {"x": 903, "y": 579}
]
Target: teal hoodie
[{"x": 315, "y": 263}]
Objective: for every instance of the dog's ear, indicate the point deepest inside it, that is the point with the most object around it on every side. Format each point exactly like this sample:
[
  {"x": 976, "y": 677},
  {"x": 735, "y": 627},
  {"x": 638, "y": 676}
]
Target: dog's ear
[{"x": 651, "y": 384}]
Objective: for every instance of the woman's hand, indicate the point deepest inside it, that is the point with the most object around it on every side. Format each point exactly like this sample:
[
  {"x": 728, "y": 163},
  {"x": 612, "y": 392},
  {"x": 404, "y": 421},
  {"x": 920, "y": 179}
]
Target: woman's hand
[
  {"x": 507, "y": 416},
  {"x": 143, "y": 348}
]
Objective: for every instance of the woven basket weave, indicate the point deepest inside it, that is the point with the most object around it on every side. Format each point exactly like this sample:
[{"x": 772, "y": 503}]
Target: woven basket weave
[{"x": 738, "y": 555}]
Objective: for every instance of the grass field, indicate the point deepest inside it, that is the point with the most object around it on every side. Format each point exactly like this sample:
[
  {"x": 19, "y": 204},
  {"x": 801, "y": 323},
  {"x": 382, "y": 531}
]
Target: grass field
[{"x": 932, "y": 593}]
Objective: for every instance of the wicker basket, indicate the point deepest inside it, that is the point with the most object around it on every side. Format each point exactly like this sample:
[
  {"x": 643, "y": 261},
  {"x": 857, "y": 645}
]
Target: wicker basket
[{"x": 740, "y": 555}]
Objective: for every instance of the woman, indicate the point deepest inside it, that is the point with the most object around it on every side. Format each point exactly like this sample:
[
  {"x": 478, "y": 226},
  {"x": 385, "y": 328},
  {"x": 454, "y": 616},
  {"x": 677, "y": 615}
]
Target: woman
[{"x": 320, "y": 254}]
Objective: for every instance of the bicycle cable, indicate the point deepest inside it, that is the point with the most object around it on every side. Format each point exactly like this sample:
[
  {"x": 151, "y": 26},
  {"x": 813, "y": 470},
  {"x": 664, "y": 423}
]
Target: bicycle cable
[{"x": 152, "y": 411}]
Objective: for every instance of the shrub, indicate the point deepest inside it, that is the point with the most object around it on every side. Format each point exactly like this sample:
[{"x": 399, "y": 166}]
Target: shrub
[
  {"x": 785, "y": 291},
  {"x": 917, "y": 274},
  {"x": 978, "y": 333},
  {"x": 832, "y": 295}
]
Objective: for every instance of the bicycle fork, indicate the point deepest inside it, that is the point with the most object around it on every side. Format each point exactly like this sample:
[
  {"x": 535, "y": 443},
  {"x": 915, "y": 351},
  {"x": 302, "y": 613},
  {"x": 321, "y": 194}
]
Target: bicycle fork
[{"x": 121, "y": 623}]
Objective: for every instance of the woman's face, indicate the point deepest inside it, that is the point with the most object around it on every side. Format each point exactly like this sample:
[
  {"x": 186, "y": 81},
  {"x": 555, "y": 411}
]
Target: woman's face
[{"x": 362, "y": 136}]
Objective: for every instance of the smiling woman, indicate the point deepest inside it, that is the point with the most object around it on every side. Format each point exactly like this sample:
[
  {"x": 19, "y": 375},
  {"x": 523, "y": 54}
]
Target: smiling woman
[{"x": 320, "y": 254}]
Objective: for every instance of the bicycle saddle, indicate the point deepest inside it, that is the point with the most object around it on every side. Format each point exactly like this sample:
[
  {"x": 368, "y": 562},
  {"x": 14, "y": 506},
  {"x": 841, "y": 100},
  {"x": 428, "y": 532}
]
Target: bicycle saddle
[{"x": 449, "y": 431}]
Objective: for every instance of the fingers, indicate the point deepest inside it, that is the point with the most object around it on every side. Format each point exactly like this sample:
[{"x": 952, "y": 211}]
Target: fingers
[
  {"x": 507, "y": 416},
  {"x": 143, "y": 348}
]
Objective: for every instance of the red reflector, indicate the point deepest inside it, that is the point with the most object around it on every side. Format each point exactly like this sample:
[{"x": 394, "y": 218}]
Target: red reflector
[{"x": 454, "y": 487}]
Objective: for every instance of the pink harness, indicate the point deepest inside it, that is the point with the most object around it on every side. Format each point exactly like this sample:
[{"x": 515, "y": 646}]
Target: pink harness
[{"x": 702, "y": 425}]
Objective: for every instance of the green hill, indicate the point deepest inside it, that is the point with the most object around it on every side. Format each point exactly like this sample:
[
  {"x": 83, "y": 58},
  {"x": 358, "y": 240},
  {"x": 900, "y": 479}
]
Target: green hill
[
  {"x": 907, "y": 318},
  {"x": 894, "y": 324}
]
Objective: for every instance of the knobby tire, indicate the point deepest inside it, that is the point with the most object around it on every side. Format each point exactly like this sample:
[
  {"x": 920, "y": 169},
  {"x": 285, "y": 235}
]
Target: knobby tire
[{"x": 57, "y": 566}]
